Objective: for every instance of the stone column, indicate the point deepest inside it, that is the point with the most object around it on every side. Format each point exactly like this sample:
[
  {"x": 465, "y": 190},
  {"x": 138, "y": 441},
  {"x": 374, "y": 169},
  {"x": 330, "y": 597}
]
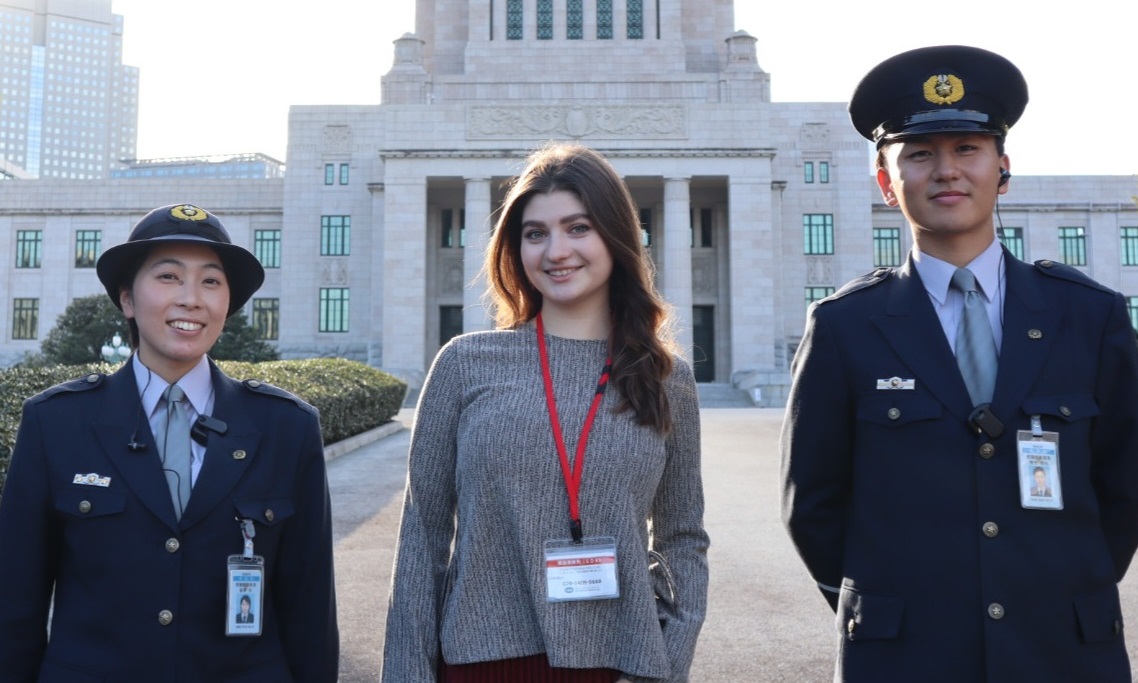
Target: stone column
[
  {"x": 375, "y": 316},
  {"x": 404, "y": 277},
  {"x": 676, "y": 257},
  {"x": 752, "y": 254},
  {"x": 474, "y": 314}
]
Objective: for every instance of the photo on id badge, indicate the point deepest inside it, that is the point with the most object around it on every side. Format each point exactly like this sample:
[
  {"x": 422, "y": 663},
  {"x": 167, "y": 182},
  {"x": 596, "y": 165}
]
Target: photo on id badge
[{"x": 244, "y": 603}]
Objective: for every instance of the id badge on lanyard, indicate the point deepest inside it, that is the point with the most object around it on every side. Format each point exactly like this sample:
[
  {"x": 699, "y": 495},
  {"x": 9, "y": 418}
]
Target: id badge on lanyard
[
  {"x": 580, "y": 567},
  {"x": 245, "y": 588},
  {"x": 1040, "y": 487}
]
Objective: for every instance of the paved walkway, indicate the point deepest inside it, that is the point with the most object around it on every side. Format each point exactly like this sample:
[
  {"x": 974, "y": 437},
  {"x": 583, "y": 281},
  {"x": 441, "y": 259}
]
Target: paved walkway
[{"x": 766, "y": 622}]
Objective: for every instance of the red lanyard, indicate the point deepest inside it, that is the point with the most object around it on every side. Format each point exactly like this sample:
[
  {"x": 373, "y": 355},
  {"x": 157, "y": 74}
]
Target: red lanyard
[{"x": 572, "y": 475}]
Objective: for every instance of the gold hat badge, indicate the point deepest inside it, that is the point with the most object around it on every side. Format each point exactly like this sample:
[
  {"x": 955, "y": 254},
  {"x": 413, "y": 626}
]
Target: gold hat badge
[
  {"x": 188, "y": 212},
  {"x": 944, "y": 89}
]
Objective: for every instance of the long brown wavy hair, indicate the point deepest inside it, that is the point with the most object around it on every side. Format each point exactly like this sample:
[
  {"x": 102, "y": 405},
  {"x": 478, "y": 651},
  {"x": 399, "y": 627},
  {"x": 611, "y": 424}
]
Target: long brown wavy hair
[{"x": 640, "y": 344}]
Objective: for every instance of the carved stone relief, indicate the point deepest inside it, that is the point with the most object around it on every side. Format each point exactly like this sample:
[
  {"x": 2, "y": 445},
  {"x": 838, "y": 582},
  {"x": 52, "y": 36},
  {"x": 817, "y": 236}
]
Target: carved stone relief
[
  {"x": 641, "y": 122},
  {"x": 338, "y": 139},
  {"x": 820, "y": 270},
  {"x": 815, "y": 136},
  {"x": 334, "y": 271}
]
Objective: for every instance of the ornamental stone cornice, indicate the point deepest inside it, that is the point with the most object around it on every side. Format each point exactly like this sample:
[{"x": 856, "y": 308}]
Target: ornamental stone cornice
[{"x": 658, "y": 153}]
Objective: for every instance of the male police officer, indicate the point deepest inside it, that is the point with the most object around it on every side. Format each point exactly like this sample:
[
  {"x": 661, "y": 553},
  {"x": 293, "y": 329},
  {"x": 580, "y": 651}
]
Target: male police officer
[
  {"x": 150, "y": 532},
  {"x": 924, "y": 396}
]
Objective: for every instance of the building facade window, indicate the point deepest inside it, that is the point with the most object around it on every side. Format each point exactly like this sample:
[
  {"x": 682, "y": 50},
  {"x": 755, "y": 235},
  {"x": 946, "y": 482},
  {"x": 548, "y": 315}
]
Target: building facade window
[
  {"x": 817, "y": 294},
  {"x": 335, "y": 235},
  {"x": 513, "y": 19},
  {"x": 702, "y": 227},
  {"x": 635, "y": 19},
  {"x": 808, "y": 172},
  {"x": 1132, "y": 309},
  {"x": 88, "y": 246},
  {"x": 25, "y": 318},
  {"x": 334, "y": 309},
  {"x": 1073, "y": 246},
  {"x": 1012, "y": 239},
  {"x": 1130, "y": 246},
  {"x": 450, "y": 323},
  {"x": 646, "y": 227},
  {"x": 453, "y": 226},
  {"x": 886, "y": 247},
  {"x": 604, "y": 19},
  {"x": 545, "y": 19},
  {"x": 344, "y": 174},
  {"x": 823, "y": 171},
  {"x": 818, "y": 233},
  {"x": 329, "y": 174},
  {"x": 575, "y": 19},
  {"x": 29, "y": 248},
  {"x": 267, "y": 247},
  {"x": 267, "y": 318}
]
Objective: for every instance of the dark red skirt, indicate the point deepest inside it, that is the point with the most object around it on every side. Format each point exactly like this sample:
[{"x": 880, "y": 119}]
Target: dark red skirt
[{"x": 535, "y": 669}]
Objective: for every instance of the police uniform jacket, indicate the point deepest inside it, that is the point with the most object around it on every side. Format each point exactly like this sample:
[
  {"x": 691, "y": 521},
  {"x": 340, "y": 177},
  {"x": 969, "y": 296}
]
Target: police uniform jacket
[
  {"x": 140, "y": 595},
  {"x": 910, "y": 519}
]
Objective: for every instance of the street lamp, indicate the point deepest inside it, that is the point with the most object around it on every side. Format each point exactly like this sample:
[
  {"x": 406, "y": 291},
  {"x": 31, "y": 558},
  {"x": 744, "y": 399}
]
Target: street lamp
[{"x": 115, "y": 351}]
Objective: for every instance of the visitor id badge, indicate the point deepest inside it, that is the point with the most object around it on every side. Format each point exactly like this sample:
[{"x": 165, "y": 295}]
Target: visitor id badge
[
  {"x": 243, "y": 596},
  {"x": 1040, "y": 487},
  {"x": 581, "y": 571}
]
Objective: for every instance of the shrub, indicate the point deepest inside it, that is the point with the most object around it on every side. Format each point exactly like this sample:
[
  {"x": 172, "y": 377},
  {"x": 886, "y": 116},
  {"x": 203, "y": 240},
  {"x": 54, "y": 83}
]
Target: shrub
[{"x": 352, "y": 397}]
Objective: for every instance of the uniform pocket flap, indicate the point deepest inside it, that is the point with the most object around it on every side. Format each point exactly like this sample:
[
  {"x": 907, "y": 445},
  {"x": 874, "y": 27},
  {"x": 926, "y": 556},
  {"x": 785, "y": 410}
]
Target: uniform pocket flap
[
  {"x": 89, "y": 501},
  {"x": 865, "y": 616},
  {"x": 1069, "y": 407},
  {"x": 267, "y": 512},
  {"x": 897, "y": 408},
  {"x": 1100, "y": 615}
]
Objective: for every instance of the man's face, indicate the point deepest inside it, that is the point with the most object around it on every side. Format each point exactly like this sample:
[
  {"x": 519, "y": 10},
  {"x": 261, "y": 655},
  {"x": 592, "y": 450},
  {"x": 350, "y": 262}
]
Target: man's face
[
  {"x": 945, "y": 183},
  {"x": 1040, "y": 480},
  {"x": 179, "y": 299},
  {"x": 244, "y": 607}
]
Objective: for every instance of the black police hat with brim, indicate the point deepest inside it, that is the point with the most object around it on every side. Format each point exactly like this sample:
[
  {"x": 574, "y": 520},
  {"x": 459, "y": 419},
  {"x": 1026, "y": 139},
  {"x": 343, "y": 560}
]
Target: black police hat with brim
[
  {"x": 187, "y": 224},
  {"x": 942, "y": 89}
]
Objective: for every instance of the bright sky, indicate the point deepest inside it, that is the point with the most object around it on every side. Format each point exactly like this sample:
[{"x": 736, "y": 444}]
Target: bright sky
[{"x": 218, "y": 76}]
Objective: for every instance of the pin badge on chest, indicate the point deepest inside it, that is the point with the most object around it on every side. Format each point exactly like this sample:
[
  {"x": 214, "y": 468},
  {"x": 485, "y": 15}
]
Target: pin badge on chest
[{"x": 896, "y": 383}]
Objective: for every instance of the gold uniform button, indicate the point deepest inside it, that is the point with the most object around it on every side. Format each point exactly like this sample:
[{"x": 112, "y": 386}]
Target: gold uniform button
[
  {"x": 991, "y": 529},
  {"x": 165, "y": 617},
  {"x": 85, "y": 506},
  {"x": 1034, "y": 334},
  {"x": 1064, "y": 411},
  {"x": 91, "y": 379},
  {"x": 253, "y": 383},
  {"x": 987, "y": 450},
  {"x": 996, "y": 610},
  {"x": 1046, "y": 263},
  {"x": 172, "y": 545},
  {"x": 894, "y": 413},
  {"x": 238, "y": 454},
  {"x": 851, "y": 626},
  {"x": 269, "y": 515}
]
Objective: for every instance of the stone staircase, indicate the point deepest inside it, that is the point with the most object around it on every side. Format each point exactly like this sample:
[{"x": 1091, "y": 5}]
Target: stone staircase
[{"x": 716, "y": 395}]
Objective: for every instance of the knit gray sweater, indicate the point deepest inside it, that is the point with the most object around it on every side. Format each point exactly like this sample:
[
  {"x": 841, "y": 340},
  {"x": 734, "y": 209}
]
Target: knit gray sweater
[{"x": 485, "y": 491}]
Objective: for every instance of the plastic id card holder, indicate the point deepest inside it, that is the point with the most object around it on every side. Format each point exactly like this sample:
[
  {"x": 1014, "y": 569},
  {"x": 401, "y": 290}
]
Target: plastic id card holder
[
  {"x": 1040, "y": 487},
  {"x": 581, "y": 571},
  {"x": 243, "y": 595}
]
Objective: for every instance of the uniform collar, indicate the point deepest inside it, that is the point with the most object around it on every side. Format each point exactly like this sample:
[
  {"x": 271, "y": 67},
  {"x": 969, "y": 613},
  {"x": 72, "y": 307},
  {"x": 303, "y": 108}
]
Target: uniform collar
[
  {"x": 937, "y": 274},
  {"x": 197, "y": 383}
]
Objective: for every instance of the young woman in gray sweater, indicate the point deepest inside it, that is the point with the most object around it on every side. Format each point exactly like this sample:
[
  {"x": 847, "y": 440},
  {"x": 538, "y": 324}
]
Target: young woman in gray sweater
[{"x": 552, "y": 526}]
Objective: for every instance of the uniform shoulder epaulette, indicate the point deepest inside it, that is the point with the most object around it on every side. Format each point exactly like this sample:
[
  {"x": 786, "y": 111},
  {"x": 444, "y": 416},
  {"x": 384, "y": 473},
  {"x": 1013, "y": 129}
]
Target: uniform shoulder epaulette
[
  {"x": 1069, "y": 273},
  {"x": 260, "y": 387},
  {"x": 870, "y": 279},
  {"x": 85, "y": 383}
]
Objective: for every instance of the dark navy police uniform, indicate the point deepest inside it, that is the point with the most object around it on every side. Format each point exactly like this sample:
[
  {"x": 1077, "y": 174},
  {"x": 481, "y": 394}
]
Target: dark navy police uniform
[{"x": 909, "y": 516}]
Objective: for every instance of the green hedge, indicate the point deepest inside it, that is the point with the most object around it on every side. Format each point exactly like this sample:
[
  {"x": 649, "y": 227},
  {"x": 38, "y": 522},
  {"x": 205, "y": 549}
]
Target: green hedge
[{"x": 352, "y": 397}]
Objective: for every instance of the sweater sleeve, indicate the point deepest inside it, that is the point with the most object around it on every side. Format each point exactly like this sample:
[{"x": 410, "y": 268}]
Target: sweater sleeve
[
  {"x": 678, "y": 535},
  {"x": 426, "y": 530}
]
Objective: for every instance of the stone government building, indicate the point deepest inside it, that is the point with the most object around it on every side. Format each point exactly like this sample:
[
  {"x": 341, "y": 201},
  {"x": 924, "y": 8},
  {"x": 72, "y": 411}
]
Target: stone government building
[{"x": 374, "y": 237}]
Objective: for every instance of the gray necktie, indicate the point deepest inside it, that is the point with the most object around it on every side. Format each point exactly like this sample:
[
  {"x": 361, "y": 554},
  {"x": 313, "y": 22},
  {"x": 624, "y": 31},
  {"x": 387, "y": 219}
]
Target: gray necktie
[
  {"x": 173, "y": 439},
  {"x": 976, "y": 353}
]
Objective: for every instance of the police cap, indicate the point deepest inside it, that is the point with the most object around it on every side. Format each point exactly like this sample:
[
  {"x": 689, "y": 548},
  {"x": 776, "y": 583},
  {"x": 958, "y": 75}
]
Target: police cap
[{"x": 942, "y": 89}]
